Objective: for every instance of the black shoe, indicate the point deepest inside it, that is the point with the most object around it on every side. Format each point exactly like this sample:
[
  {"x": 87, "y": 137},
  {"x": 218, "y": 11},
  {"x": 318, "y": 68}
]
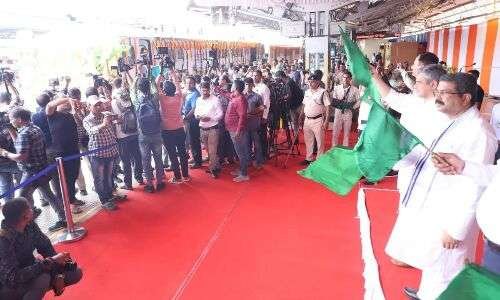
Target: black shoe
[
  {"x": 78, "y": 202},
  {"x": 83, "y": 192},
  {"x": 168, "y": 169},
  {"x": 140, "y": 181},
  {"x": 195, "y": 166},
  {"x": 392, "y": 173},
  {"x": 410, "y": 293},
  {"x": 127, "y": 187},
  {"x": 214, "y": 174},
  {"x": 57, "y": 226},
  {"x": 149, "y": 188},
  {"x": 160, "y": 186},
  {"x": 36, "y": 212},
  {"x": 305, "y": 162},
  {"x": 44, "y": 202},
  {"x": 118, "y": 198},
  {"x": 366, "y": 182}
]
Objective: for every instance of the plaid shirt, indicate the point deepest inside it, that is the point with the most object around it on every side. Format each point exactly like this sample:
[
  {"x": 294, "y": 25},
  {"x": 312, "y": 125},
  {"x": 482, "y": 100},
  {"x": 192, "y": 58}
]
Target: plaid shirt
[
  {"x": 100, "y": 137},
  {"x": 30, "y": 140},
  {"x": 18, "y": 266},
  {"x": 79, "y": 115}
]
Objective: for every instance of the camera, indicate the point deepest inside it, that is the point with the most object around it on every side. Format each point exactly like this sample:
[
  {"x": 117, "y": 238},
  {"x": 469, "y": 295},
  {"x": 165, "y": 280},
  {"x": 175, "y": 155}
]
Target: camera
[
  {"x": 4, "y": 120},
  {"x": 165, "y": 61},
  {"x": 6, "y": 75},
  {"x": 122, "y": 65}
]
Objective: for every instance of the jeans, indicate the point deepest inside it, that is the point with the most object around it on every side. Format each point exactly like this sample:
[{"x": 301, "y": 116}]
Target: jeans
[
  {"x": 42, "y": 184},
  {"x": 491, "y": 258},
  {"x": 257, "y": 146},
  {"x": 194, "y": 140},
  {"x": 241, "y": 147},
  {"x": 102, "y": 171},
  {"x": 210, "y": 138},
  {"x": 151, "y": 144},
  {"x": 174, "y": 141},
  {"x": 38, "y": 287},
  {"x": 7, "y": 176},
  {"x": 129, "y": 152}
]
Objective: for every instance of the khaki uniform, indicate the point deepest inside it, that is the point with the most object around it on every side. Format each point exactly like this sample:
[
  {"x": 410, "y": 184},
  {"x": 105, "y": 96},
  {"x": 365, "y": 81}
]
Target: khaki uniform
[{"x": 315, "y": 104}]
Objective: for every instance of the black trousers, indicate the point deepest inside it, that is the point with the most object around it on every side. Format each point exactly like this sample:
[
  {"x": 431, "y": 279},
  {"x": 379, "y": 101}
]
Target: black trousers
[
  {"x": 194, "y": 140},
  {"x": 264, "y": 139},
  {"x": 130, "y": 153},
  {"x": 175, "y": 143}
]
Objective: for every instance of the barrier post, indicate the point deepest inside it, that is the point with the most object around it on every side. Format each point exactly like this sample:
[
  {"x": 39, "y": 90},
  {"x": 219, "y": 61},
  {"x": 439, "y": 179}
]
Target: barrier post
[{"x": 71, "y": 233}]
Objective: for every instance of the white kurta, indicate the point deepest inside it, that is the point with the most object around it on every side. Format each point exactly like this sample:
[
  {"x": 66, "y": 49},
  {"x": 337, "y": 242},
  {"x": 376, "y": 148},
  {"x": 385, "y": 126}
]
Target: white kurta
[
  {"x": 489, "y": 203},
  {"x": 439, "y": 203}
]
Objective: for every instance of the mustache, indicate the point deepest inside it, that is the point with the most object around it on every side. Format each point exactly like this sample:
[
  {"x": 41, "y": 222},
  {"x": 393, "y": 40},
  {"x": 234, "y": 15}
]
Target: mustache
[{"x": 439, "y": 102}]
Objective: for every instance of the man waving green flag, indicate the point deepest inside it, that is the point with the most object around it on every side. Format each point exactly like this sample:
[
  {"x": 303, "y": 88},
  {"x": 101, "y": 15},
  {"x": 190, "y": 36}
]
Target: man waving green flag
[{"x": 383, "y": 142}]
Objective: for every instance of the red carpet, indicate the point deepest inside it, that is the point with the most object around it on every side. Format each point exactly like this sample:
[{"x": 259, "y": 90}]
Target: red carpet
[{"x": 276, "y": 237}]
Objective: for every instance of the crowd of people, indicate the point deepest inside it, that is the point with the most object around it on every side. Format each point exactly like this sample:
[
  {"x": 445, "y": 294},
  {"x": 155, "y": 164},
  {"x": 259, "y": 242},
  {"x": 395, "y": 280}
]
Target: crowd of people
[{"x": 145, "y": 127}]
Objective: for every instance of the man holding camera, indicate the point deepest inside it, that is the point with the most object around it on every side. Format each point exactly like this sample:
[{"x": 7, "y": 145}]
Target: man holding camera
[
  {"x": 345, "y": 100},
  {"x": 32, "y": 158},
  {"x": 22, "y": 275},
  {"x": 101, "y": 133}
]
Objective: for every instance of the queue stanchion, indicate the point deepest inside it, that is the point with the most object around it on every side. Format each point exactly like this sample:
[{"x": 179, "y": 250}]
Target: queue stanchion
[{"x": 71, "y": 233}]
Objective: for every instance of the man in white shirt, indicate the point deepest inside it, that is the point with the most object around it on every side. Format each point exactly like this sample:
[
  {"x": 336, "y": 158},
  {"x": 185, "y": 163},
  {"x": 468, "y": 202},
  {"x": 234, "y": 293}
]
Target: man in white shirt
[
  {"x": 420, "y": 116},
  {"x": 345, "y": 99},
  {"x": 315, "y": 105},
  {"x": 263, "y": 90},
  {"x": 488, "y": 205},
  {"x": 436, "y": 224},
  {"x": 209, "y": 111},
  {"x": 495, "y": 123},
  {"x": 422, "y": 60}
]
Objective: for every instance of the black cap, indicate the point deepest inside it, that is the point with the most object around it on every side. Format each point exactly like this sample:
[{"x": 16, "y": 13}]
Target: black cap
[{"x": 315, "y": 76}]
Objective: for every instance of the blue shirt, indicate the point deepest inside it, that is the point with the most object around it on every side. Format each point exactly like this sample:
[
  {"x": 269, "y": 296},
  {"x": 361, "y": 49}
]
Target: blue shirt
[
  {"x": 40, "y": 120},
  {"x": 254, "y": 100},
  {"x": 190, "y": 102}
]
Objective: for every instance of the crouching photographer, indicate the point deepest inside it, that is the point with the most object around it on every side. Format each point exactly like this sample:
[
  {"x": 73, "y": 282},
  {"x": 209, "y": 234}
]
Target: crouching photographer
[{"x": 22, "y": 276}]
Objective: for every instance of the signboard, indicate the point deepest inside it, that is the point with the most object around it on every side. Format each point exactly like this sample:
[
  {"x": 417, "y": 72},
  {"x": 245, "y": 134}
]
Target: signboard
[{"x": 293, "y": 29}]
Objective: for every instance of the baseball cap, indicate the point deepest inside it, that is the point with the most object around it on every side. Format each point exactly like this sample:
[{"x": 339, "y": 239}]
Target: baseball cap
[{"x": 93, "y": 100}]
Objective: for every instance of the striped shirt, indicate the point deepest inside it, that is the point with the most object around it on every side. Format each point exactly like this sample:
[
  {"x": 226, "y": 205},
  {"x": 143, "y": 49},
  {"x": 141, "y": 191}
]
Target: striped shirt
[{"x": 30, "y": 140}]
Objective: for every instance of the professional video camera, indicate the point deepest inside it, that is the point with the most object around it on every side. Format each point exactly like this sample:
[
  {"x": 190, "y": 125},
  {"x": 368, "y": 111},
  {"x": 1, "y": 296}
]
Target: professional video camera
[
  {"x": 165, "y": 61},
  {"x": 98, "y": 80},
  {"x": 6, "y": 75},
  {"x": 4, "y": 120},
  {"x": 122, "y": 66}
]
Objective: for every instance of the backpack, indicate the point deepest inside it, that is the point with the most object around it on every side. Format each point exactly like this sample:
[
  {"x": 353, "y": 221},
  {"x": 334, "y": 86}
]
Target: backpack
[
  {"x": 148, "y": 117},
  {"x": 129, "y": 121}
]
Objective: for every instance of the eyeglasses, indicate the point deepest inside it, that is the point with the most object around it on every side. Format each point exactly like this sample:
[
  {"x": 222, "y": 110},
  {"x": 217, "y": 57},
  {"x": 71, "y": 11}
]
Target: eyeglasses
[{"x": 440, "y": 93}]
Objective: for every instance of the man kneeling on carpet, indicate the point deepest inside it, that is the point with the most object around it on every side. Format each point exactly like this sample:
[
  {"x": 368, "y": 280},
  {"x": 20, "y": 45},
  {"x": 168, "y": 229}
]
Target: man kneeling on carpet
[{"x": 22, "y": 276}]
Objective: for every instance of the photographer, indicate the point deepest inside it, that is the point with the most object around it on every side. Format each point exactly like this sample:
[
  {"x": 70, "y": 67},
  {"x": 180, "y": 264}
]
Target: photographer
[
  {"x": 6, "y": 99},
  {"x": 8, "y": 168},
  {"x": 32, "y": 158},
  {"x": 22, "y": 276}
]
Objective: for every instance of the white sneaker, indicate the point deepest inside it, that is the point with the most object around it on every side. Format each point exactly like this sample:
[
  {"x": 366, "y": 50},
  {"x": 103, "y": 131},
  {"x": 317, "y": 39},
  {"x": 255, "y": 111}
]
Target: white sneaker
[{"x": 241, "y": 178}]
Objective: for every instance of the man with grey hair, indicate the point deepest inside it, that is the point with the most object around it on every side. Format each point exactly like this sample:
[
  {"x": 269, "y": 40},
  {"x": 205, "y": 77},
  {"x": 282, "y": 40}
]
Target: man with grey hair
[
  {"x": 420, "y": 116},
  {"x": 436, "y": 230}
]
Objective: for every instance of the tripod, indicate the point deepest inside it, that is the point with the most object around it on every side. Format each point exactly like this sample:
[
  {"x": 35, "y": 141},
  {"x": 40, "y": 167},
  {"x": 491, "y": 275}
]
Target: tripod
[{"x": 288, "y": 146}]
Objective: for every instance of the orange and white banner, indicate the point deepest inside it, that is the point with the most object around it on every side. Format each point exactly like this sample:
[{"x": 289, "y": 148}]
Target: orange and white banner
[{"x": 471, "y": 47}]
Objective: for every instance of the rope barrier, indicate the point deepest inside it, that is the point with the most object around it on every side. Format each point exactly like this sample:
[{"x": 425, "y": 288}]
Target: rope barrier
[{"x": 52, "y": 167}]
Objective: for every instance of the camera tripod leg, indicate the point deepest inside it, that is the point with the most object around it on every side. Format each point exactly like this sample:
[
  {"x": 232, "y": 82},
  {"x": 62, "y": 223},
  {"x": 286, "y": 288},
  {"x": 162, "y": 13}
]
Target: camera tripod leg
[{"x": 295, "y": 138}]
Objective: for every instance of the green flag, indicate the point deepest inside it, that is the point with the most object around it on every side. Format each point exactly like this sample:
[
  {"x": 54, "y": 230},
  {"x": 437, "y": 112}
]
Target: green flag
[
  {"x": 473, "y": 282},
  {"x": 383, "y": 141}
]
